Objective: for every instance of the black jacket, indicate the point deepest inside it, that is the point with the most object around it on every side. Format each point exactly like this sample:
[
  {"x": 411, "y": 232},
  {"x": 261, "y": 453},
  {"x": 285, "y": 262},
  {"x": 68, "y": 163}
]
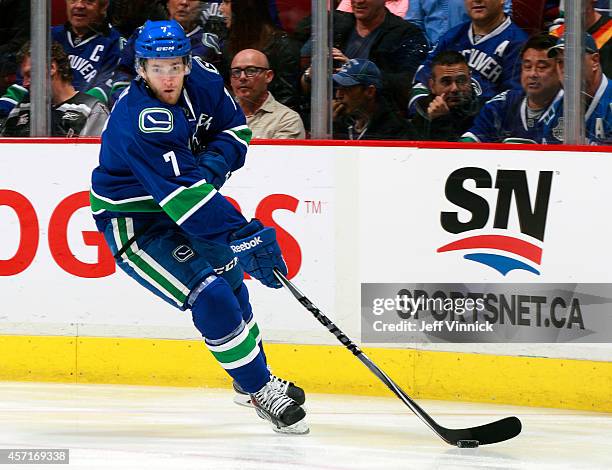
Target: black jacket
[
  {"x": 447, "y": 128},
  {"x": 385, "y": 124},
  {"x": 399, "y": 49}
]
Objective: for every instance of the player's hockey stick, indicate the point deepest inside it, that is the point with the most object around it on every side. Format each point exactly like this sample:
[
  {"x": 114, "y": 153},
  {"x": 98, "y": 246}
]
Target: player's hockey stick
[{"x": 491, "y": 433}]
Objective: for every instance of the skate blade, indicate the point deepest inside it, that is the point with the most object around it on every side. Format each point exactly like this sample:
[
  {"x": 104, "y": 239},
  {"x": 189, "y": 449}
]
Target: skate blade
[
  {"x": 243, "y": 400},
  {"x": 301, "y": 427}
]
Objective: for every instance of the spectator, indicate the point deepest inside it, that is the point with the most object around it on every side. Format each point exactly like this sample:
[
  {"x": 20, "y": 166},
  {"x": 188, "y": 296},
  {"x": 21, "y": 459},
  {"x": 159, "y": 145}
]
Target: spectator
[
  {"x": 360, "y": 112},
  {"x": 14, "y": 32},
  {"x": 203, "y": 45},
  {"x": 599, "y": 26},
  {"x": 73, "y": 113},
  {"x": 436, "y": 17},
  {"x": 452, "y": 105},
  {"x": 372, "y": 32},
  {"x": 490, "y": 42},
  {"x": 397, "y": 7},
  {"x": 598, "y": 89},
  {"x": 251, "y": 27},
  {"x": 92, "y": 46},
  {"x": 519, "y": 115},
  {"x": 268, "y": 119}
]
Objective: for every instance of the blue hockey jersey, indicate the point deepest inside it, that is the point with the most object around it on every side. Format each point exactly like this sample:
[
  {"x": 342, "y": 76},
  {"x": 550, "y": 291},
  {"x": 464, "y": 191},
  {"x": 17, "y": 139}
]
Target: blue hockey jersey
[
  {"x": 203, "y": 45},
  {"x": 149, "y": 163},
  {"x": 506, "y": 117},
  {"x": 493, "y": 59},
  {"x": 598, "y": 118},
  {"x": 92, "y": 59}
]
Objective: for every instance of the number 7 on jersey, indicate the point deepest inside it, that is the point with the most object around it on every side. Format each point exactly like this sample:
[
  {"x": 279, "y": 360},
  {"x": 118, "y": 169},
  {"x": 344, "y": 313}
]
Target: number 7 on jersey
[{"x": 171, "y": 157}]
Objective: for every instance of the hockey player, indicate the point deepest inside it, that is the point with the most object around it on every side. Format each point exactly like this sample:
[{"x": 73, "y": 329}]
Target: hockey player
[
  {"x": 73, "y": 113},
  {"x": 517, "y": 116},
  {"x": 188, "y": 14},
  {"x": 171, "y": 141},
  {"x": 598, "y": 91},
  {"x": 490, "y": 42}
]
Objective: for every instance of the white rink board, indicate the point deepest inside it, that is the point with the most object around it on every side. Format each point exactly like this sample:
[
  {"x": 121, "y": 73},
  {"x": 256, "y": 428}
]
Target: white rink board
[
  {"x": 45, "y": 299},
  {"x": 374, "y": 216},
  {"x": 577, "y": 232}
]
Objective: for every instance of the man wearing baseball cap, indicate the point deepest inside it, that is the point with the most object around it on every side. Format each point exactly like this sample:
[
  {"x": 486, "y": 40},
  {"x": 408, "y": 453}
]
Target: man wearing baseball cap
[
  {"x": 598, "y": 93},
  {"x": 360, "y": 112}
]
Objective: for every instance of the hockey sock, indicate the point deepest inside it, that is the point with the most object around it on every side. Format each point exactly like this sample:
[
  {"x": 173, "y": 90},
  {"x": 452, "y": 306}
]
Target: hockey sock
[
  {"x": 218, "y": 316},
  {"x": 242, "y": 294}
]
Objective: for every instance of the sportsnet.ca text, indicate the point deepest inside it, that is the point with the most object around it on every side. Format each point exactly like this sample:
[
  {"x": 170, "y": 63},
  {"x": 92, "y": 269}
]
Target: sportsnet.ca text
[
  {"x": 489, "y": 312},
  {"x": 513, "y": 309}
]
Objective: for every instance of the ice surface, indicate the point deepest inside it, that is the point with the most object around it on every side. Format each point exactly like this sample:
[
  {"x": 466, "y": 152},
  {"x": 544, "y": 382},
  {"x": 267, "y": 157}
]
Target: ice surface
[{"x": 132, "y": 427}]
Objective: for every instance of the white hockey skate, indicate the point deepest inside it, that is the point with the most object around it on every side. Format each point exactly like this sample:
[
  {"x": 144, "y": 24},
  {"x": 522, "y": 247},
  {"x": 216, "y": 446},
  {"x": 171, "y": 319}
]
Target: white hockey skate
[
  {"x": 294, "y": 392},
  {"x": 286, "y": 416}
]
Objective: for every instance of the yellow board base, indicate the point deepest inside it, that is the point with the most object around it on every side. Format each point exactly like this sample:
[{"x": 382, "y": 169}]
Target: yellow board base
[{"x": 527, "y": 381}]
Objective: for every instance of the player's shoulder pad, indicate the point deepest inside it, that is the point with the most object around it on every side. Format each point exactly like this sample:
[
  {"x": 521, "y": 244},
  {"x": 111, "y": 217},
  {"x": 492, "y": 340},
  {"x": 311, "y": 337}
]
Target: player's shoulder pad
[{"x": 201, "y": 67}]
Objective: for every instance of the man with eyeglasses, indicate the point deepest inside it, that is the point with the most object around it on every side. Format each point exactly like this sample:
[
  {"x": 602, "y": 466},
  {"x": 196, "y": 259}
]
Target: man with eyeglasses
[
  {"x": 452, "y": 104},
  {"x": 518, "y": 116},
  {"x": 250, "y": 75},
  {"x": 172, "y": 140}
]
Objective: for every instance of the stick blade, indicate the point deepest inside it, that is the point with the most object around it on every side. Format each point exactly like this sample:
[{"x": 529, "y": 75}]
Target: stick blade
[{"x": 497, "y": 431}]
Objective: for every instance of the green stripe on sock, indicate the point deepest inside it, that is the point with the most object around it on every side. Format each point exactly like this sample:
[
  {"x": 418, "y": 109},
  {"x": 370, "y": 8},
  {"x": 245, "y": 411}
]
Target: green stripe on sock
[
  {"x": 238, "y": 352},
  {"x": 254, "y": 330}
]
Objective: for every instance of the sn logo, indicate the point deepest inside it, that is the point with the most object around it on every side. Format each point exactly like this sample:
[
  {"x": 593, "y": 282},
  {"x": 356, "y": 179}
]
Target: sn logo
[{"x": 511, "y": 185}]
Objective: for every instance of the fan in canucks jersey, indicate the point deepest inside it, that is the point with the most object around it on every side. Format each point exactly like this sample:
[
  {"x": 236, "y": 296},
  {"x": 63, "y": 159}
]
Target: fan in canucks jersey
[
  {"x": 92, "y": 47},
  {"x": 172, "y": 139},
  {"x": 598, "y": 91},
  {"x": 518, "y": 115},
  {"x": 490, "y": 43}
]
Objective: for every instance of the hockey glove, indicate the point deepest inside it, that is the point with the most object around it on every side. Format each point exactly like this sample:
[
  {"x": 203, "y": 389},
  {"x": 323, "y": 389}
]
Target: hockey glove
[
  {"x": 258, "y": 251},
  {"x": 214, "y": 168}
]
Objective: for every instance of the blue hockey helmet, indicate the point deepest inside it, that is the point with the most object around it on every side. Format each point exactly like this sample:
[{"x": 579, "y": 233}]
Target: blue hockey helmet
[{"x": 162, "y": 40}]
